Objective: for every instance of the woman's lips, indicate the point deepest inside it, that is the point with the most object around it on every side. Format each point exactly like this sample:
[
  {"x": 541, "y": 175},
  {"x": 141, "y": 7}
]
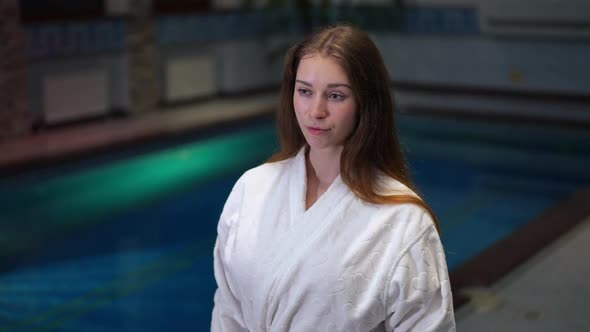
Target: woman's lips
[{"x": 317, "y": 131}]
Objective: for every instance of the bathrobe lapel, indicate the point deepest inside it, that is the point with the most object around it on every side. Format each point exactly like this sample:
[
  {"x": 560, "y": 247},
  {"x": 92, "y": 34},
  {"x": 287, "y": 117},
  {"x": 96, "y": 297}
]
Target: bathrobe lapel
[
  {"x": 298, "y": 244},
  {"x": 322, "y": 209}
]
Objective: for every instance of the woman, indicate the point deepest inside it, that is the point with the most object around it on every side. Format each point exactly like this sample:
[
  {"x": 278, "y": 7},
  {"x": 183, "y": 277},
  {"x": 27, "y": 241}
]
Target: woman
[{"x": 328, "y": 235}]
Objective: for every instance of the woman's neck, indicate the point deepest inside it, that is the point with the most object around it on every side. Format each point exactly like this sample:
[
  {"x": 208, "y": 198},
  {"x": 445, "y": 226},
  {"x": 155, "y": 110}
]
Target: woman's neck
[{"x": 323, "y": 166}]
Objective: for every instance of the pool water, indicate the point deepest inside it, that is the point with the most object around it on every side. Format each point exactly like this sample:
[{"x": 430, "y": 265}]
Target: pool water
[{"x": 125, "y": 243}]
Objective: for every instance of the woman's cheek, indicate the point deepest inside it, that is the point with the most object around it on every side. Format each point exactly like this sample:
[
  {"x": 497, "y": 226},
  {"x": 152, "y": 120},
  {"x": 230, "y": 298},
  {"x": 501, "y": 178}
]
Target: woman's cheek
[{"x": 299, "y": 105}]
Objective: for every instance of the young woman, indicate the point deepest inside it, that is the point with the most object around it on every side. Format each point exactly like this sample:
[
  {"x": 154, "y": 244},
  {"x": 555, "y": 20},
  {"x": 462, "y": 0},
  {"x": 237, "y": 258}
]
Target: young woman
[{"x": 329, "y": 235}]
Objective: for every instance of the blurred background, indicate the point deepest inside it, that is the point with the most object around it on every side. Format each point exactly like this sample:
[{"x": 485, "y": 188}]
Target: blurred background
[{"x": 125, "y": 123}]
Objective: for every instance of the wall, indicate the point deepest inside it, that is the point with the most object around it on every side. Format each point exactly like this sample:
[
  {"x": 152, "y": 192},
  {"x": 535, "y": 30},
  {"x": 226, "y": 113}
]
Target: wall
[
  {"x": 224, "y": 53},
  {"x": 14, "y": 101}
]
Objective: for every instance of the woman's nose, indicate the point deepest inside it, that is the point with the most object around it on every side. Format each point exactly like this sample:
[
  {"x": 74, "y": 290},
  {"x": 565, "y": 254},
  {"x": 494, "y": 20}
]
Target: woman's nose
[{"x": 318, "y": 109}]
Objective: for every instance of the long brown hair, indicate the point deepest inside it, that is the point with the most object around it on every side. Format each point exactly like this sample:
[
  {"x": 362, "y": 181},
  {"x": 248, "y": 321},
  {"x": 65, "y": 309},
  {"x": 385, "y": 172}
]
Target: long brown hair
[{"x": 373, "y": 149}]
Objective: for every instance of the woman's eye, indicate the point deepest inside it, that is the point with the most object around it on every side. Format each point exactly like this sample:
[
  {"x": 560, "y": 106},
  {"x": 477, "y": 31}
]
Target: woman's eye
[
  {"x": 336, "y": 96},
  {"x": 304, "y": 92}
]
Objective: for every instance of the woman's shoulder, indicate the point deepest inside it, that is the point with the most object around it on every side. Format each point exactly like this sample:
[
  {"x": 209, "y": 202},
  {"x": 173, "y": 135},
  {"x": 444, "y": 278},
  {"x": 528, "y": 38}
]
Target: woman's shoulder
[
  {"x": 254, "y": 181},
  {"x": 265, "y": 172},
  {"x": 406, "y": 215}
]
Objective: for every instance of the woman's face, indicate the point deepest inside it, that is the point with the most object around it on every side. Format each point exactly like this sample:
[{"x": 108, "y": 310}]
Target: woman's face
[{"x": 324, "y": 102}]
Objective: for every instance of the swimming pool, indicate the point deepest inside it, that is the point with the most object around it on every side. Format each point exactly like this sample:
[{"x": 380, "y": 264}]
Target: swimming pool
[{"x": 123, "y": 241}]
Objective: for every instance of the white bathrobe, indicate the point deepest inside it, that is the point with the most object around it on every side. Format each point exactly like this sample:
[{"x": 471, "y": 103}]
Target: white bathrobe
[{"x": 341, "y": 265}]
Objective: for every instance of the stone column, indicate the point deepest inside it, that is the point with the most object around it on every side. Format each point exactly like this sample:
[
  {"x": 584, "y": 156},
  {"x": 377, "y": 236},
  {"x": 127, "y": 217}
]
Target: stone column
[
  {"x": 15, "y": 118},
  {"x": 142, "y": 52}
]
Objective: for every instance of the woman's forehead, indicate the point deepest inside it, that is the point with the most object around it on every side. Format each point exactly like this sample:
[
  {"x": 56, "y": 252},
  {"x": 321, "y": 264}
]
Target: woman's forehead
[{"x": 321, "y": 69}]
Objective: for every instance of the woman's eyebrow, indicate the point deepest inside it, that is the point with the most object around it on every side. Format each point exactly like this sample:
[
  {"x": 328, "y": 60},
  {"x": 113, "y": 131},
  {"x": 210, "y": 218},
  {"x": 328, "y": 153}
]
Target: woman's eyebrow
[
  {"x": 331, "y": 85},
  {"x": 336, "y": 85},
  {"x": 303, "y": 82}
]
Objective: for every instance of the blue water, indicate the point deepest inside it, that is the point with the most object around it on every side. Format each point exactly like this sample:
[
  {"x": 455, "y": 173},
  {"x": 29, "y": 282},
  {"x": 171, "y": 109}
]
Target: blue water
[{"x": 150, "y": 268}]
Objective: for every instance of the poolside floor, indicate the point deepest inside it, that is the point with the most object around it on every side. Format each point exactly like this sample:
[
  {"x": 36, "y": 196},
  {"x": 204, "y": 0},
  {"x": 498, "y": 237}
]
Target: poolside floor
[{"x": 549, "y": 292}]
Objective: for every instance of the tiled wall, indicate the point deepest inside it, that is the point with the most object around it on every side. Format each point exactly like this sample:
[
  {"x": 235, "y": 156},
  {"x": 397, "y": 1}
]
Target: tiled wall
[{"x": 231, "y": 52}]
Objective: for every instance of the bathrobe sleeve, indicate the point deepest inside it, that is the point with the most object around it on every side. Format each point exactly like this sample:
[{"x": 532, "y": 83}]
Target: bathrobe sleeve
[
  {"x": 419, "y": 294},
  {"x": 227, "y": 313}
]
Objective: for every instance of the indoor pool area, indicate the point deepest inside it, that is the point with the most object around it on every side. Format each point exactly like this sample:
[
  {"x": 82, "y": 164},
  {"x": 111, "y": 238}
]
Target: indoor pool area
[
  {"x": 122, "y": 239},
  {"x": 124, "y": 126}
]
